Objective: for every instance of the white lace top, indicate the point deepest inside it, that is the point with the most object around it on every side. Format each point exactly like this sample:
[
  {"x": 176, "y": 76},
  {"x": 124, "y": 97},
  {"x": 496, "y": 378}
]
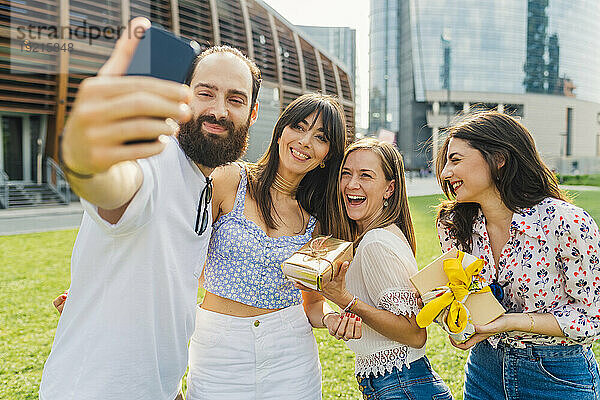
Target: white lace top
[{"x": 379, "y": 276}]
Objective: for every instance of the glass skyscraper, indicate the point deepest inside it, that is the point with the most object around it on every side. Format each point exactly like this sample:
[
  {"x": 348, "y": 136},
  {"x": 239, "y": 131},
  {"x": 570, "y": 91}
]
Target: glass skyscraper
[{"x": 504, "y": 47}]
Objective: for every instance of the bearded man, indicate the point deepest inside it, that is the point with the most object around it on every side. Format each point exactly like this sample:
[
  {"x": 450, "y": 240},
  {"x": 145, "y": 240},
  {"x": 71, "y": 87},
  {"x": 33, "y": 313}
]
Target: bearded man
[{"x": 143, "y": 239}]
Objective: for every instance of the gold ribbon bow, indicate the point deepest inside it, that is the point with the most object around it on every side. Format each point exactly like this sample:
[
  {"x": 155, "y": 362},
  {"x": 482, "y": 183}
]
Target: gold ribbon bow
[
  {"x": 317, "y": 249},
  {"x": 458, "y": 289},
  {"x": 317, "y": 246}
]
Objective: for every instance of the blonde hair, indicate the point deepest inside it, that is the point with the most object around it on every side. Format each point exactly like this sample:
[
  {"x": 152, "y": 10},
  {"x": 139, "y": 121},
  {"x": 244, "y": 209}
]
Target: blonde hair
[{"x": 396, "y": 212}]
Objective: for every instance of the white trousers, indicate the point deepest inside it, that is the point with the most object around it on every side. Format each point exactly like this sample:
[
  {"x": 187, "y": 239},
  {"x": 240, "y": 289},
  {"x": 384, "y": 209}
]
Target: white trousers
[{"x": 272, "y": 356}]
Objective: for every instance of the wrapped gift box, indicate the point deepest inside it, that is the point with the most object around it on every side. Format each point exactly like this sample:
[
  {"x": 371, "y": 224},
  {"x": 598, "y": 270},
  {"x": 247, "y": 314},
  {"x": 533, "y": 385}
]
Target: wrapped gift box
[
  {"x": 483, "y": 306},
  {"x": 317, "y": 261}
]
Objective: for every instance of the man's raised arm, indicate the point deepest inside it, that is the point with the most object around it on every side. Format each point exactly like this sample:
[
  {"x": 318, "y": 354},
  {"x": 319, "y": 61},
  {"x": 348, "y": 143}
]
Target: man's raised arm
[{"x": 110, "y": 110}]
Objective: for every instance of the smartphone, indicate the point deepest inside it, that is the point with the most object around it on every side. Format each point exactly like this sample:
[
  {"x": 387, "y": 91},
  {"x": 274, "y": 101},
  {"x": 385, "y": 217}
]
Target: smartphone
[{"x": 163, "y": 55}]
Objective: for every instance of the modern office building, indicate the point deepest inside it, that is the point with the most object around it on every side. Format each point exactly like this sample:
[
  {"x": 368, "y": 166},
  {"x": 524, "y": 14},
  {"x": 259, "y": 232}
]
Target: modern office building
[
  {"x": 337, "y": 41},
  {"x": 340, "y": 42},
  {"x": 536, "y": 59},
  {"x": 47, "y": 47}
]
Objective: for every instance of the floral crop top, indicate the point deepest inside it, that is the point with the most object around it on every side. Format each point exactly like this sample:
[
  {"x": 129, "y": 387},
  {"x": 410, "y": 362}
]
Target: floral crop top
[{"x": 244, "y": 264}]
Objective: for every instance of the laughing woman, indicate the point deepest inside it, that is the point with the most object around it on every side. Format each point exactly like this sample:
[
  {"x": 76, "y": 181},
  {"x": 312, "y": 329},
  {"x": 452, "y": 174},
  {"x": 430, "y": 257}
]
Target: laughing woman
[
  {"x": 390, "y": 356},
  {"x": 541, "y": 254}
]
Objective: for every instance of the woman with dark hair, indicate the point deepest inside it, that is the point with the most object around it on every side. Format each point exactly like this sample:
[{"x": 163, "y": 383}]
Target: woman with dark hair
[
  {"x": 374, "y": 213},
  {"x": 541, "y": 256},
  {"x": 253, "y": 338}
]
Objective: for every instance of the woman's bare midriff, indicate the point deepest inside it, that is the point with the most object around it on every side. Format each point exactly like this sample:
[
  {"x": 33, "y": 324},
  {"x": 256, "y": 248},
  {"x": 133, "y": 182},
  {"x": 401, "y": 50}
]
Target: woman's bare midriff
[{"x": 221, "y": 305}]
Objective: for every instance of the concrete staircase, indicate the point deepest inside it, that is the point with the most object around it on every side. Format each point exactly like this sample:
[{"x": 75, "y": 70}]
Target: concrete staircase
[{"x": 32, "y": 195}]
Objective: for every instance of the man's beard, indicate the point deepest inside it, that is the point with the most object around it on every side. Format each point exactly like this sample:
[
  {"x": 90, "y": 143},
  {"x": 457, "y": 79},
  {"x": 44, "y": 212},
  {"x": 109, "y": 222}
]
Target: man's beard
[{"x": 209, "y": 149}]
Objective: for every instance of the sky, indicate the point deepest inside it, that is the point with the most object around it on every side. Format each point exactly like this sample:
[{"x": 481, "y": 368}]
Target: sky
[{"x": 350, "y": 13}]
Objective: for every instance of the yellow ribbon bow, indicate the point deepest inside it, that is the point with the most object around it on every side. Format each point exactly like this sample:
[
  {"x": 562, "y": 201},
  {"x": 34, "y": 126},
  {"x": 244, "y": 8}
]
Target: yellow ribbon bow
[{"x": 459, "y": 288}]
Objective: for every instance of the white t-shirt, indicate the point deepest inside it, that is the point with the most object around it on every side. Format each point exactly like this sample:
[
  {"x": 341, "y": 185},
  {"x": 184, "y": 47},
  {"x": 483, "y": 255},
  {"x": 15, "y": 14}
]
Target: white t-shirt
[
  {"x": 379, "y": 275},
  {"x": 130, "y": 312}
]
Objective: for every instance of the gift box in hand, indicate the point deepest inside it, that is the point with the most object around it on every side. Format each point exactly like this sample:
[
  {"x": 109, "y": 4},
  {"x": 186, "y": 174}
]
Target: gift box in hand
[
  {"x": 317, "y": 261},
  {"x": 455, "y": 295}
]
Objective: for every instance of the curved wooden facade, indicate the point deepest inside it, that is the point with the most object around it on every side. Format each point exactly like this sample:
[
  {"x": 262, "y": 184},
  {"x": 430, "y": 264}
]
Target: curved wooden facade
[{"x": 45, "y": 83}]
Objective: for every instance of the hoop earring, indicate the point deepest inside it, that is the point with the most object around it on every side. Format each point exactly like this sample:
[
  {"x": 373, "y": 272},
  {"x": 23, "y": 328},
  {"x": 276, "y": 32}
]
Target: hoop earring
[{"x": 385, "y": 203}]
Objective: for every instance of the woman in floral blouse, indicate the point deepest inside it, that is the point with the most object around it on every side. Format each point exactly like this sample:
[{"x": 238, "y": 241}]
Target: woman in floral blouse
[{"x": 541, "y": 254}]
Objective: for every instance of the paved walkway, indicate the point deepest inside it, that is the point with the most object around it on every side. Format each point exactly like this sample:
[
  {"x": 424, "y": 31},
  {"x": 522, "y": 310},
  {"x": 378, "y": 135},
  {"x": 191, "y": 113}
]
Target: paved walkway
[
  {"x": 422, "y": 186},
  {"x": 43, "y": 219},
  {"x": 40, "y": 219},
  {"x": 581, "y": 188}
]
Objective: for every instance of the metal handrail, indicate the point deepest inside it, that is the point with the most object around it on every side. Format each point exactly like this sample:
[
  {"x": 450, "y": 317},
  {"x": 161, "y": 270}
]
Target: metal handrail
[
  {"x": 4, "y": 188},
  {"x": 57, "y": 180}
]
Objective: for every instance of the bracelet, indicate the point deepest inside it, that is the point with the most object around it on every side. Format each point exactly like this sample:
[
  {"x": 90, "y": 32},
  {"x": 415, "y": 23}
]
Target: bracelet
[
  {"x": 326, "y": 314},
  {"x": 531, "y": 322},
  {"x": 351, "y": 305},
  {"x": 65, "y": 168}
]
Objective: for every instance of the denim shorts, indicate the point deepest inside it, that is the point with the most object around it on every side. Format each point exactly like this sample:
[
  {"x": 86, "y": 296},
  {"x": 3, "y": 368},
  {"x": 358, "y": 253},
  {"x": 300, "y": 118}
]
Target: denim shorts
[
  {"x": 535, "y": 372},
  {"x": 418, "y": 382}
]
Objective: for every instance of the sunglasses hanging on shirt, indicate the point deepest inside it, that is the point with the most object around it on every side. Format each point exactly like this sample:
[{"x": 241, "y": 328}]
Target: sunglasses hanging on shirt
[{"x": 202, "y": 213}]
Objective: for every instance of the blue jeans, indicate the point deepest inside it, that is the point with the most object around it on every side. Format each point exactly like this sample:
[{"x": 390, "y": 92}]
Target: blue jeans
[
  {"x": 418, "y": 382},
  {"x": 535, "y": 372}
]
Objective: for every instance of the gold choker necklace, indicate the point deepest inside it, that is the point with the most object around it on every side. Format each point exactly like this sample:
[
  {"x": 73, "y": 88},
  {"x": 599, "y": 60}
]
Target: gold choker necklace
[{"x": 284, "y": 186}]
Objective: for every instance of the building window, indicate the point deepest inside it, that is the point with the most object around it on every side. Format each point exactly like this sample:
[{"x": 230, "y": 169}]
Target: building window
[
  {"x": 569, "y": 133},
  {"x": 514, "y": 110}
]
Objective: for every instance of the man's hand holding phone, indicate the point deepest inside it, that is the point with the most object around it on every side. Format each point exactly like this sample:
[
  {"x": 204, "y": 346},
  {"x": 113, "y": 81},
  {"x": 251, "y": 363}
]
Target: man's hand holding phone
[{"x": 112, "y": 110}]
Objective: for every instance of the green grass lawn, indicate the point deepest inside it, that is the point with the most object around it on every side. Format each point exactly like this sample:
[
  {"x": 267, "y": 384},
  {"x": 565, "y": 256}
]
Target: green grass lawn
[
  {"x": 34, "y": 269},
  {"x": 588, "y": 180}
]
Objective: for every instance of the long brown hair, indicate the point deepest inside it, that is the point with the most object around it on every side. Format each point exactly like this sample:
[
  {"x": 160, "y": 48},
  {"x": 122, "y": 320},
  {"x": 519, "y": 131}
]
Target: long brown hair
[
  {"x": 316, "y": 192},
  {"x": 523, "y": 181},
  {"x": 397, "y": 212}
]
